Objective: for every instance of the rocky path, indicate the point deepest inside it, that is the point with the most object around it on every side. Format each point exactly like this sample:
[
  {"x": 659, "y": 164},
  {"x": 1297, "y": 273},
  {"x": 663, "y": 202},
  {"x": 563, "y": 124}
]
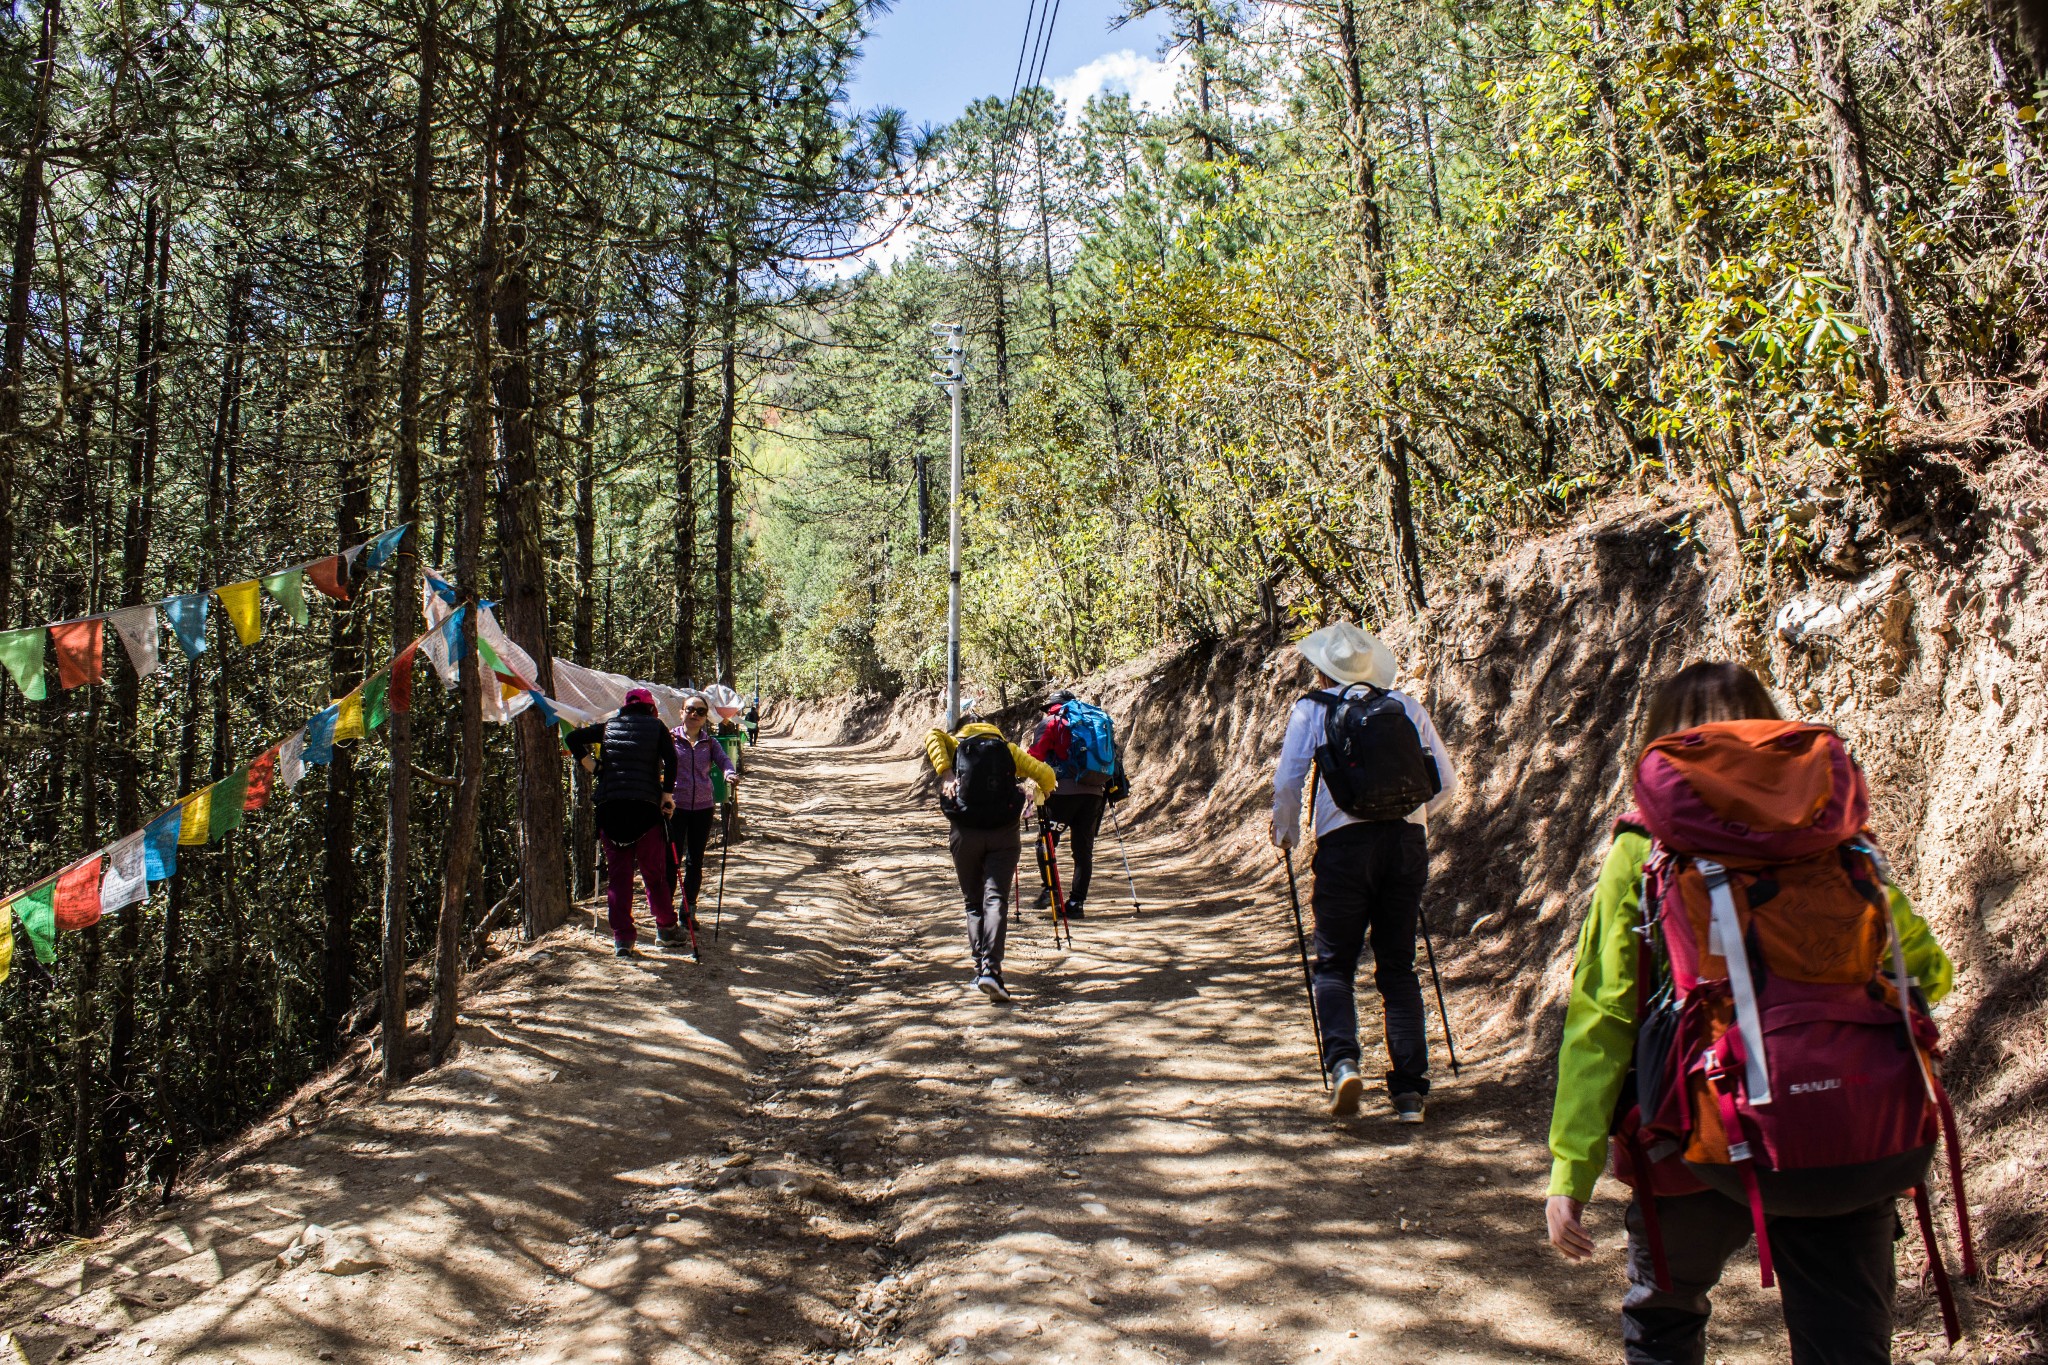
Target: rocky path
[{"x": 817, "y": 1146}]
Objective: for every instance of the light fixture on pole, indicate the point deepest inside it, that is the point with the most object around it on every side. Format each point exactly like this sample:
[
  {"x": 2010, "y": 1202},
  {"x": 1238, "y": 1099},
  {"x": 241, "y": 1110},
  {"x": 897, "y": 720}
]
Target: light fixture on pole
[{"x": 952, "y": 377}]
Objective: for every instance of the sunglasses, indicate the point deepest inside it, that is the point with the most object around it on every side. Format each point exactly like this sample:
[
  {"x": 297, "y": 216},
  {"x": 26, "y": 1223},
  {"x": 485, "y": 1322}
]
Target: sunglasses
[{"x": 696, "y": 710}]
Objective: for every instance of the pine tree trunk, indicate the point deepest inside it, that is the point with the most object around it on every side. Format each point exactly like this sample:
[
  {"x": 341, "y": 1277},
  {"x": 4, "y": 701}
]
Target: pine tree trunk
[
  {"x": 728, "y": 414},
  {"x": 405, "y": 620},
  {"x": 544, "y": 891},
  {"x": 20, "y": 286},
  {"x": 584, "y": 833},
  {"x": 685, "y": 640}
]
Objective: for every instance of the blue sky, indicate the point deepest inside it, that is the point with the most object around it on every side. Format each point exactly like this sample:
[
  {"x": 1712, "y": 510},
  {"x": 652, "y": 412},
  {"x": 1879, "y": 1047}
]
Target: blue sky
[{"x": 931, "y": 58}]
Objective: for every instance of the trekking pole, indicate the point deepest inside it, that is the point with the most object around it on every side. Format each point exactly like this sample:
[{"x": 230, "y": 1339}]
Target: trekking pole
[
  {"x": 724, "y": 847},
  {"x": 1059, "y": 903},
  {"x": 1118, "y": 826},
  {"x": 1422, "y": 920},
  {"x": 1308, "y": 975}
]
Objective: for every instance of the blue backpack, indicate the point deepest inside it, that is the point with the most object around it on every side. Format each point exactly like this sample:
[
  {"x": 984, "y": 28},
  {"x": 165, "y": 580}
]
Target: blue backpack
[{"x": 1091, "y": 741}]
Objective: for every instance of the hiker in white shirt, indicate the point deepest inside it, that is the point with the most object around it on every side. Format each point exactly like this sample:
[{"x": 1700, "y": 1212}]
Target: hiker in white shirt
[{"x": 1371, "y": 869}]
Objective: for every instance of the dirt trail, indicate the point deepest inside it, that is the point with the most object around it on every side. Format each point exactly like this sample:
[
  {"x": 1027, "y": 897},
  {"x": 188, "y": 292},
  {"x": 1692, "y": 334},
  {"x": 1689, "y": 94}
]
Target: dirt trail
[{"x": 817, "y": 1146}]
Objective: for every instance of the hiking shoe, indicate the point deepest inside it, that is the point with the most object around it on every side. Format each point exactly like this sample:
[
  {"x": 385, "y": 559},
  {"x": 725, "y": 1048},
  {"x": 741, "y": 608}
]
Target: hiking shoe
[
  {"x": 622, "y": 950},
  {"x": 671, "y": 937},
  {"x": 1345, "y": 1087},
  {"x": 1074, "y": 910},
  {"x": 992, "y": 986},
  {"x": 1408, "y": 1108},
  {"x": 1044, "y": 901}
]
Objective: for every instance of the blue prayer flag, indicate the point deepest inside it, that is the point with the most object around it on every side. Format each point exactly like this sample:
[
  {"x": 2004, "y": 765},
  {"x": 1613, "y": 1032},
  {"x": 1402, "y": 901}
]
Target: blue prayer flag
[
  {"x": 320, "y": 737},
  {"x": 160, "y": 844},
  {"x": 383, "y": 547},
  {"x": 188, "y": 621},
  {"x": 451, "y": 635},
  {"x": 441, "y": 587},
  {"x": 540, "y": 699}
]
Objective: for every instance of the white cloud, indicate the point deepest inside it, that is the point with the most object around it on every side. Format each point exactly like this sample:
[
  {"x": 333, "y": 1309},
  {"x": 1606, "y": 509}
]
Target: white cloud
[{"x": 1149, "y": 82}]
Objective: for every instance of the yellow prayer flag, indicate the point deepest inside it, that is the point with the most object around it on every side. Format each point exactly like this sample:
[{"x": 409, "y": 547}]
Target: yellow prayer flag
[
  {"x": 244, "y": 603},
  {"x": 348, "y": 720},
  {"x": 198, "y": 817},
  {"x": 6, "y": 940}
]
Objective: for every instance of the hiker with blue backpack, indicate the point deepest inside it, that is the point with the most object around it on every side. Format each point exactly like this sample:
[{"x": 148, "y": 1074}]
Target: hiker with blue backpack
[
  {"x": 1380, "y": 770},
  {"x": 1787, "y": 1092},
  {"x": 986, "y": 786},
  {"x": 1078, "y": 742}
]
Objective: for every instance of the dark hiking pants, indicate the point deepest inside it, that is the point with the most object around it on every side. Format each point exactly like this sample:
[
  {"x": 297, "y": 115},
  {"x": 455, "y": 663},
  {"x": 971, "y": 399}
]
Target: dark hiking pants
[
  {"x": 1835, "y": 1280},
  {"x": 1368, "y": 887},
  {"x": 985, "y": 860},
  {"x": 1081, "y": 813},
  {"x": 690, "y": 831}
]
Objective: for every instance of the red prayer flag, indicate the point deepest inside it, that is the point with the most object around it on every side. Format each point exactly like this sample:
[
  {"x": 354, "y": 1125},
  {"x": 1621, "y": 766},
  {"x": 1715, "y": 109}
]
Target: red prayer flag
[
  {"x": 330, "y": 575},
  {"x": 401, "y": 679},
  {"x": 262, "y": 775},
  {"x": 78, "y": 895},
  {"x": 79, "y": 658}
]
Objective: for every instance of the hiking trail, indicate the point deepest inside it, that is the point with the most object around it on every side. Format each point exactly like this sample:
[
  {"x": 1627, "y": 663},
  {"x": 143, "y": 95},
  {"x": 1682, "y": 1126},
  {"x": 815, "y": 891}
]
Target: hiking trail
[{"x": 819, "y": 1145}]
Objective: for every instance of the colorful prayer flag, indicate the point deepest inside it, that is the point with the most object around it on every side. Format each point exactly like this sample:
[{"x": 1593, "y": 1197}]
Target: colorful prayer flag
[
  {"x": 291, "y": 760},
  {"x": 329, "y": 576},
  {"x": 187, "y": 615},
  {"x": 383, "y": 547},
  {"x": 37, "y": 911},
  {"x": 137, "y": 627},
  {"x": 288, "y": 587},
  {"x": 547, "y": 710},
  {"x": 76, "y": 904},
  {"x": 225, "y": 809},
  {"x": 160, "y": 844},
  {"x": 127, "y": 875},
  {"x": 401, "y": 678},
  {"x": 348, "y": 718},
  {"x": 376, "y": 702},
  {"x": 245, "y": 608},
  {"x": 22, "y": 652},
  {"x": 262, "y": 773},
  {"x": 81, "y": 646},
  {"x": 490, "y": 656},
  {"x": 319, "y": 732},
  {"x": 434, "y": 586},
  {"x": 197, "y": 826}
]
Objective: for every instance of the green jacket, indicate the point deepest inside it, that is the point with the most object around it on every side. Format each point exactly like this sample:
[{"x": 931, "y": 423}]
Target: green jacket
[{"x": 1600, "y": 1019}]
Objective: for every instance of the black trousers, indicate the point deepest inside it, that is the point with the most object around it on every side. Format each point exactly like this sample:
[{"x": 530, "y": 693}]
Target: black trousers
[
  {"x": 690, "y": 831},
  {"x": 1368, "y": 887},
  {"x": 1081, "y": 813},
  {"x": 1835, "y": 1280},
  {"x": 984, "y": 860}
]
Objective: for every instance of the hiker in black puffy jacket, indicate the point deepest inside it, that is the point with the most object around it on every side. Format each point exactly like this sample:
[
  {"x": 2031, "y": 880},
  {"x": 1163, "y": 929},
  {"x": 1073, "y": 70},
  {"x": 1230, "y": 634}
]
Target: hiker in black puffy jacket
[{"x": 636, "y": 777}]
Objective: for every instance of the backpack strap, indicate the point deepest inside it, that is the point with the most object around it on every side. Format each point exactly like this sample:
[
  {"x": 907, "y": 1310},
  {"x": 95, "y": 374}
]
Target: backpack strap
[
  {"x": 1742, "y": 1158},
  {"x": 1724, "y": 937},
  {"x": 1951, "y": 1325},
  {"x": 1646, "y": 1200}
]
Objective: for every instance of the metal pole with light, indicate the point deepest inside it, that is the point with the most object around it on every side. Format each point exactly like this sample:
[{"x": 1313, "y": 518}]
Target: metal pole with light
[{"x": 952, "y": 357}]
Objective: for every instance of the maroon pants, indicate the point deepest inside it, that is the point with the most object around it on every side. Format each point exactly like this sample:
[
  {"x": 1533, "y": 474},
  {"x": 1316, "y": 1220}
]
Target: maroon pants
[{"x": 649, "y": 856}]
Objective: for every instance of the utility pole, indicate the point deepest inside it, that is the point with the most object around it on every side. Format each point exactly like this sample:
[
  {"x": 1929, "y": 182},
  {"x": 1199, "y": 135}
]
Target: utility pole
[{"x": 952, "y": 358}]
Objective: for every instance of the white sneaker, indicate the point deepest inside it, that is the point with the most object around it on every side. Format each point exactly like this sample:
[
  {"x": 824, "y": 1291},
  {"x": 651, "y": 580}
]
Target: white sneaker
[{"x": 992, "y": 986}]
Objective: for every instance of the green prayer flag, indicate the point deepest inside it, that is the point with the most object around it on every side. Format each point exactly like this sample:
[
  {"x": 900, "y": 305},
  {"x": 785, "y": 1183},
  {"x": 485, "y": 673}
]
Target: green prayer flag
[
  {"x": 376, "y": 702},
  {"x": 289, "y": 588},
  {"x": 224, "y": 811},
  {"x": 22, "y": 652},
  {"x": 38, "y": 912},
  {"x": 490, "y": 655}
]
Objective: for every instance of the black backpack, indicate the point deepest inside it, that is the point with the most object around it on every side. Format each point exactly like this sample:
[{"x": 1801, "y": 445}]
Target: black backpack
[
  {"x": 1372, "y": 759},
  {"x": 987, "y": 797}
]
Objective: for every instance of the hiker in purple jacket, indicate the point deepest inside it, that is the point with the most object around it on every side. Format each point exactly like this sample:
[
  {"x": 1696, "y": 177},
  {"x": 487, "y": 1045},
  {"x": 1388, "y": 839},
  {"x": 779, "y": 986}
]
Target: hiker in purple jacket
[{"x": 689, "y": 828}]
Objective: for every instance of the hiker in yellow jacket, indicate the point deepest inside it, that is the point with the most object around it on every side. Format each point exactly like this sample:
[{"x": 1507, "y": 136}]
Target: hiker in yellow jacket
[
  {"x": 986, "y": 785},
  {"x": 1841, "y": 1314}
]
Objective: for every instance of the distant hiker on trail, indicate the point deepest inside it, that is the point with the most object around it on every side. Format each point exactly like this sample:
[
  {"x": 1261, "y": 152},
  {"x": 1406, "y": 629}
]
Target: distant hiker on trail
[
  {"x": 1758, "y": 825},
  {"x": 1078, "y": 742},
  {"x": 751, "y": 718},
  {"x": 1382, "y": 770},
  {"x": 635, "y": 767},
  {"x": 698, "y": 752},
  {"x": 986, "y": 784}
]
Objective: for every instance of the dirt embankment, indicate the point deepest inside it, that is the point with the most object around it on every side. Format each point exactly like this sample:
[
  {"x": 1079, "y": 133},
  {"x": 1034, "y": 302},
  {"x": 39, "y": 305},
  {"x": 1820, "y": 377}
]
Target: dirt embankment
[{"x": 1930, "y": 659}]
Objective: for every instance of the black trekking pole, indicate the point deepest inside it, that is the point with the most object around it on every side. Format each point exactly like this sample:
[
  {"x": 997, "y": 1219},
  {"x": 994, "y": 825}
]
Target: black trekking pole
[
  {"x": 1422, "y": 921},
  {"x": 1308, "y": 975},
  {"x": 1118, "y": 826},
  {"x": 724, "y": 847},
  {"x": 689, "y": 914},
  {"x": 1052, "y": 869}
]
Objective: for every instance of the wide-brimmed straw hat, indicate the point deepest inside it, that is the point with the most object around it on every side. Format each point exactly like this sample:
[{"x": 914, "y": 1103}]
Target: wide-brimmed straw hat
[{"x": 1347, "y": 654}]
